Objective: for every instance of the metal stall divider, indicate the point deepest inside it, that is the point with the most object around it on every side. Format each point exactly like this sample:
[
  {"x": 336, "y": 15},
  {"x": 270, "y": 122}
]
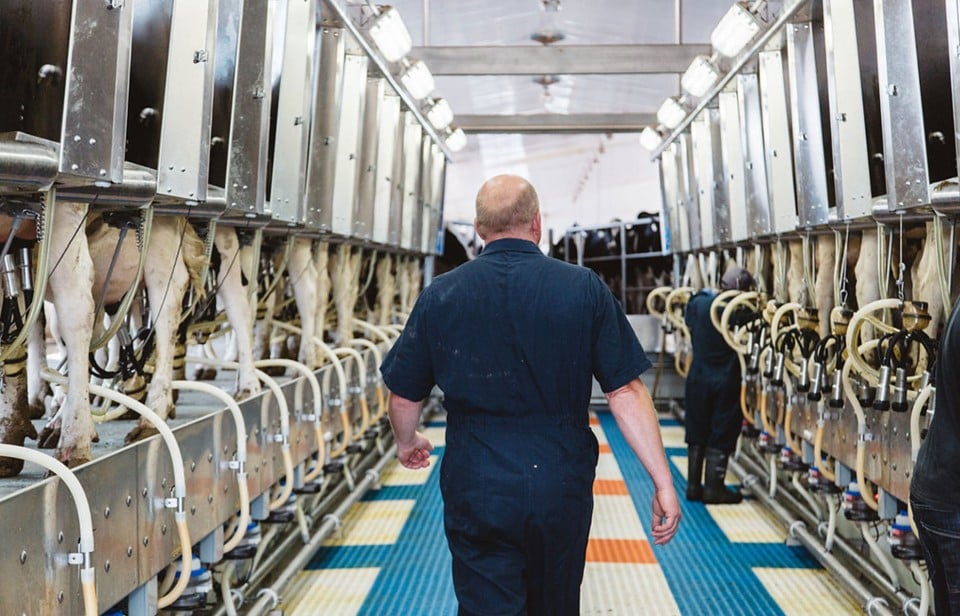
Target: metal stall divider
[
  {"x": 688, "y": 191},
  {"x": 395, "y": 232},
  {"x": 184, "y": 160},
  {"x": 412, "y": 138},
  {"x": 733, "y": 165},
  {"x": 241, "y": 105},
  {"x": 708, "y": 165},
  {"x": 813, "y": 197},
  {"x": 289, "y": 191},
  {"x": 433, "y": 229},
  {"x": 904, "y": 138},
  {"x": 422, "y": 204},
  {"x": 386, "y": 151},
  {"x": 321, "y": 171},
  {"x": 363, "y": 218},
  {"x": 347, "y": 141},
  {"x": 673, "y": 196},
  {"x": 667, "y": 225},
  {"x": 776, "y": 137},
  {"x": 754, "y": 160},
  {"x": 851, "y": 157}
]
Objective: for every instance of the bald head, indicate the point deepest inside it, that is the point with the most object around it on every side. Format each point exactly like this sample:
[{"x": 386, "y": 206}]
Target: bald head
[{"x": 507, "y": 206}]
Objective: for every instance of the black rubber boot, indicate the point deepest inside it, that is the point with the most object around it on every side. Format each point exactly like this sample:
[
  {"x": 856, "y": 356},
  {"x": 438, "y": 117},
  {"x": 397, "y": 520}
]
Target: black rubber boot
[
  {"x": 695, "y": 472},
  {"x": 715, "y": 491}
]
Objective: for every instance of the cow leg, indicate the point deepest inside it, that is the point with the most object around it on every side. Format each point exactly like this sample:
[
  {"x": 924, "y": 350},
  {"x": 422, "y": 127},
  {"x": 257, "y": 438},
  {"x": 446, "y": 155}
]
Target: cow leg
[
  {"x": 795, "y": 285},
  {"x": 321, "y": 263},
  {"x": 303, "y": 277},
  {"x": 36, "y": 361},
  {"x": 166, "y": 278},
  {"x": 233, "y": 296},
  {"x": 70, "y": 285},
  {"x": 824, "y": 284}
]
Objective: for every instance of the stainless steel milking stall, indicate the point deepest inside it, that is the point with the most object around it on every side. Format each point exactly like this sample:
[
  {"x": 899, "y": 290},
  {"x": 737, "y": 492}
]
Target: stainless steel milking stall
[
  {"x": 822, "y": 118},
  {"x": 277, "y": 117}
]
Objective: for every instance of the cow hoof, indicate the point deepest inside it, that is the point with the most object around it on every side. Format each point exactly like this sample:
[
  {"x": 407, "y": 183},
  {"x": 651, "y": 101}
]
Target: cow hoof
[
  {"x": 129, "y": 416},
  {"x": 242, "y": 394},
  {"x": 205, "y": 374},
  {"x": 49, "y": 436},
  {"x": 139, "y": 433},
  {"x": 36, "y": 410},
  {"x": 73, "y": 457},
  {"x": 10, "y": 467},
  {"x": 274, "y": 370}
]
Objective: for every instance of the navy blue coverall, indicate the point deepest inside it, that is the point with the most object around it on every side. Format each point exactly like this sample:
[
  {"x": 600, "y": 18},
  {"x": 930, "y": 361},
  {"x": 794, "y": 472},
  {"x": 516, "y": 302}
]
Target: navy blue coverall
[
  {"x": 712, "y": 404},
  {"x": 512, "y": 339}
]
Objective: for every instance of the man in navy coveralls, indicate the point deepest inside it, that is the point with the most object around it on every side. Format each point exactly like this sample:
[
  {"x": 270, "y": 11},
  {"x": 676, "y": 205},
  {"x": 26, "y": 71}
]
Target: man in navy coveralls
[{"x": 512, "y": 339}]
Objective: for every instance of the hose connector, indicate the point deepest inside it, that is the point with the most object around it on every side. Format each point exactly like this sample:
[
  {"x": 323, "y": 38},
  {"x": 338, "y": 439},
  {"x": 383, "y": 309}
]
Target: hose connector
[
  {"x": 777, "y": 376},
  {"x": 882, "y": 400},
  {"x": 836, "y": 393},
  {"x": 754, "y": 364},
  {"x": 817, "y": 383},
  {"x": 768, "y": 366},
  {"x": 899, "y": 403},
  {"x": 803, "y": 381},
  {"x": 11, "y": 281},
  {"x": 865, "y": 393},
  {"x": 26, "y": 269}
]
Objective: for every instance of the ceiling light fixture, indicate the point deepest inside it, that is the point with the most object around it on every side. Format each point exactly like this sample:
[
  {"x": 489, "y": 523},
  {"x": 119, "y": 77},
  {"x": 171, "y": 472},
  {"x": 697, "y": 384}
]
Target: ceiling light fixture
[
  {"x": 456, "y": 140},
  {"x": 650, "y": 138},
  {"x": 735, "y": 31},
  {"x": 418, "y": 80},
  {"x": 699, "y": 77},
  {"x": 390, "y": 35},
  {"x": 671, "y": 113},
  {"x": 439, "y": 113}
]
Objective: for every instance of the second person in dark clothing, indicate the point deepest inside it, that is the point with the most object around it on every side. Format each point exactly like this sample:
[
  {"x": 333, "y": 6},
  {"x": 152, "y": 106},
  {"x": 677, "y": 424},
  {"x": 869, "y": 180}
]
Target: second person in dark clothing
[{"x": 713, "y": 417}]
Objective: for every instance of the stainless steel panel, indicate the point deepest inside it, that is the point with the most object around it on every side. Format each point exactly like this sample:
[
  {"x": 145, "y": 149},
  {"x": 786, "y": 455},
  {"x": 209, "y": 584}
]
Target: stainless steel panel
[
  {"x": 367, "y": 171},
  {"x": 705, "y": 134},
  {"x": 188, "y": 102},
  {"x": 348, "y": 142},
  {"x": 754, "y": 161},
  {"x": 97, "y": 82},
  {"x": 241, "y": 104},
  {"x": 148, "y": 76},
  {"x": 438, "y": 171},
  {"x": 933, "y": 58},
  {"x": 670, "y": 168},
  {"x": 904, "y": 140},
  {"x": 896, "y": 456},
  {"x": 953, "y": 33},
  {"x": 394, "y": 232},
  {"x": 813, "y": 204},
  {"x": 851, "y": 157},
  {"x": 422, "y": 205},
  {"x": 322, "y": 165},
  {"x": 666, "y": 203},
  {"x": 733, "y": 169},
  {"x": 386, "y": 149},
  {"x": 776, "y": 137},
  {"x": 412, "y": 138},
  {"x": 292, "y": 128},
  {"x": 34, "y": 38},
  {"x": 688, "y": 191}
]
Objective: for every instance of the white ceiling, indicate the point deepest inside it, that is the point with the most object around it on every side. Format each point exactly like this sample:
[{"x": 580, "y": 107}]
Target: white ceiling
[{"x": 576, "y": 180}]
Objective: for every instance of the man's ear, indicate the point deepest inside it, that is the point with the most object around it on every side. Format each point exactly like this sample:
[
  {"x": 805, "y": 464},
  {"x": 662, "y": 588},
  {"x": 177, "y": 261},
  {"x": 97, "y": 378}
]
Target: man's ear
[{"x": 476, "y": 227}]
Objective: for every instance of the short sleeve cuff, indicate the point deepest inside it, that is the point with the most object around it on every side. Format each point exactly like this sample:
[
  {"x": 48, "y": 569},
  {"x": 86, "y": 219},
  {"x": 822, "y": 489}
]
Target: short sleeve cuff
[
  {"x": 403, "y": 387},
  {"x": 638, "y": 366}
]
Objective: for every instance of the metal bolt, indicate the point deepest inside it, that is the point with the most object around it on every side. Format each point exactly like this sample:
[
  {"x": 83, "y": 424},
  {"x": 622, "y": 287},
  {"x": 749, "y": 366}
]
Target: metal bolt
[
  {"x": 23, "y": 557},
  {"x": 60, "y": 597},
  {"x": 74, "y": 167},
  {"x": 163, "y": 529},
  {"x": 893, "y": 90},
  {"x": 193, "y": 510},
  {"x": 106, "y": 512},
  {"x": 103, "y": 173},
  {"x": 129, "y": 551},
  {"x": 144, "y": 492},
  {"x": 106, "y": 566},
  {"x": 129, "y": 500},
  {"x": 60, "y": 537},
  {"x": 225, "y": 489},
  {"x": 163, "y": 482},
  {"x": 76, "y": 137},
  {"x": 193, "y": 466},
  {"x": 209, "y": 498},
  {"x": 210, "y": 457},
  {"x": 146, "y": 540},
  {"x": 92, "y": 141}
]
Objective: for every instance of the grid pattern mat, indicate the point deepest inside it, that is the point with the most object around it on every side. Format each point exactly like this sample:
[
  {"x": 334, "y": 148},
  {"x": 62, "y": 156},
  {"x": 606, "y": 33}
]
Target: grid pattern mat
[{"x": 391, "y": 557}]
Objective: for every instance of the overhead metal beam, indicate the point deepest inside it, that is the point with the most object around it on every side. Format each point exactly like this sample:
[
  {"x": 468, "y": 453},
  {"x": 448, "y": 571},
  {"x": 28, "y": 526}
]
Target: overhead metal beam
[
  {"x": 559, "y": 59},
  {"x": 556, "y": 123}
]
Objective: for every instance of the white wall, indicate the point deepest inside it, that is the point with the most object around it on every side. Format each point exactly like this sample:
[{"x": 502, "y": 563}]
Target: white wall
[{"x": 572, "y": 187}]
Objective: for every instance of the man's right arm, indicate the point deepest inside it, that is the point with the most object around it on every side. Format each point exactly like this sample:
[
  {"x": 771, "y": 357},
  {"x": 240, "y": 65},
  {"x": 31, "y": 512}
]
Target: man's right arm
[{"x": 636, "y": 417}]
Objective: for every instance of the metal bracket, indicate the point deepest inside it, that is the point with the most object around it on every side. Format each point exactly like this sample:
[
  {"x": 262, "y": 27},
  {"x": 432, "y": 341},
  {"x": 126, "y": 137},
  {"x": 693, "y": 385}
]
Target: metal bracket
[
  {"x": 75, "y": 558},
  {"x": 233, "y": 465},
  {"x": 866, "y": 436},
  {"x": 200, "y": 56},
  {"x": 171, "y": 503}
]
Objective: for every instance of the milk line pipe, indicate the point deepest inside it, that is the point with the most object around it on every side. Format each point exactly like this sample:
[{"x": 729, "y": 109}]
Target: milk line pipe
[
  {"x": 805, "y": 493},
  {"x": 729, "y": 311},
  {"x": 327, "y": 352},
  {"x": 179, "y": 475},
  {"x": 40, "y": 284},
  {"x": 244, "y": 491},
  {"x": 362, "y": 377},
  {"x": 378, "y": 359},
  {"x": 924, "y": 579},
  {"x": 84, "y": 517},
  {"x": 798, "y": 530},
  {"x": 865, "y": 491},
  {"x": 376, "y": 329},
  {"x": 718, "y": 301},
  {"x": 882, "y": 557},
  {"x": 271, "y": 383},
  {"x": 853, "y": 332},
  {"x": 818, "y": 448},
  {"x": 863, "y": 565}
]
